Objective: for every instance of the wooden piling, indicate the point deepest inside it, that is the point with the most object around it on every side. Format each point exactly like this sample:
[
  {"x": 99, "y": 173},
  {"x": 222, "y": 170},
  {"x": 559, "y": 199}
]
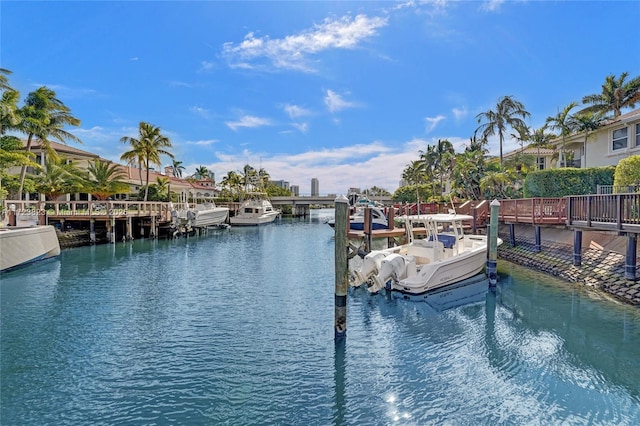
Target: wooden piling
[{"x": 341, "y": 267}]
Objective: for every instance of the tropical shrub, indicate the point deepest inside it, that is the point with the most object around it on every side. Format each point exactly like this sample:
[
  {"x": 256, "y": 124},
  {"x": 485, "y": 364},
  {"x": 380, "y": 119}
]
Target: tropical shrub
[{"x": 627, "y": 172}]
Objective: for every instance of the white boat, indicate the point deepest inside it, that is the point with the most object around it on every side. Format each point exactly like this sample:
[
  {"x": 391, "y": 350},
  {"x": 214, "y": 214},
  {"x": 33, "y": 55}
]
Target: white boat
[
  {"x": 23, "y": 245},
  {"x": 445, "y": 256},
  {"x": 356, "y": 220},
  {"x": 200, "y": 215},
  {"x": 256, "y": 209}
]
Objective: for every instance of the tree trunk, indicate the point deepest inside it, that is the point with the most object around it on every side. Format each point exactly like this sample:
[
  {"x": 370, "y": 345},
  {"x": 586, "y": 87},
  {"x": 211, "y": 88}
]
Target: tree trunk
[{"x": 23, "y": 169}]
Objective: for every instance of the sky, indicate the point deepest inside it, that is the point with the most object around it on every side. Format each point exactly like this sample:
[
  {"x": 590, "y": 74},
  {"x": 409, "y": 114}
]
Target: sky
[{"x": 345, "y": 92}]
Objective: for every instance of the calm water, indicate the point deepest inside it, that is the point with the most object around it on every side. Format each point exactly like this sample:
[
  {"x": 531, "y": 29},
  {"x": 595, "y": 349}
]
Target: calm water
[{"x": 237, "y": 328}]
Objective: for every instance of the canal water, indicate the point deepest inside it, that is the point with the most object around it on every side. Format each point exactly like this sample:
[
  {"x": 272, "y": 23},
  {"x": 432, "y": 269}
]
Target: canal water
[{"x": 236, "y": 328}]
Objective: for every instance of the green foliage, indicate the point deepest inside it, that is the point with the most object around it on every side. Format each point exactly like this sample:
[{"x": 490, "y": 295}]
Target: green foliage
[
  {"x": 276, "y": 191},
  {"x": 407, "y": 194},
  {"x": 567, "y": 181},
  {"x": 628, "y": 171}
]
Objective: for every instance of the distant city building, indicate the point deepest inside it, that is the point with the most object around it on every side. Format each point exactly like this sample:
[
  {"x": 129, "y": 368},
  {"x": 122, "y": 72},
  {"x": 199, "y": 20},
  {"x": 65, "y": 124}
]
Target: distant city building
[
  {"x": 280, "y": 183},
  {"x": 315, "y": 187},
  {"x": 402, "y": 183},
  {"x": 295, "y": 190}
]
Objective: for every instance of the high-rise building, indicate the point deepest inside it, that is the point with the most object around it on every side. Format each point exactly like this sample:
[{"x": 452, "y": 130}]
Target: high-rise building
[
  {"x": 295, "y": 190},
  {"x": 315, "y": 187}
]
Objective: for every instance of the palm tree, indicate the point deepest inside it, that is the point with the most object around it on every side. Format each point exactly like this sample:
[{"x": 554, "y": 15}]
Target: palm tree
[
  {"x": 178, "y": 168},
  {"x": 201, "y": 172},
  {"x": 162, "y": 186},
  {"x": 616, "y": 95},
  {"x": 414, "y": 174},
  {"x": 59, "y": 177},
  {"x": 508, "y": 113},
  {"x": 587, "y": 121},
  {"x": 540, "y": 139},
  {"x": 232, "y": 183},
  {"x": 263, "y": 178},
  {"x": 147, "y": 149},
  {"x": 104, "y": 179},
  {"x": 9, "y": 117},
  {"x": 12, "y": 154},
  {"x": 44, "y": 116},
  {"x": 562, "y": 123}
]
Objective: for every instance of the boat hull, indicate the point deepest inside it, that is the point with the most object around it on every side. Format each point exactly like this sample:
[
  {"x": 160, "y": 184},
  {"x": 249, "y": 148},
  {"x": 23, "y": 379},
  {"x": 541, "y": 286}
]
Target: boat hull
[
  {"x": 22, "y": 246},
  {"x": 253, "y": 221},
  {"x": 211, "y": 217}
]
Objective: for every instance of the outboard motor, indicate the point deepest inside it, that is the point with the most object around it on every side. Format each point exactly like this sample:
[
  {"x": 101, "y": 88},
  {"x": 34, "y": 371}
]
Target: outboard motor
[
  {"x": 370, "y": 265},
  {"x": 393, "y": 266}
]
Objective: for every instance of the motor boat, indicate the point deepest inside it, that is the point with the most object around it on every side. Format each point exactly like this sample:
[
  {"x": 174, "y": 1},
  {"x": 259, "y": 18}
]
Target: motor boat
[
  {"x": 256, "y": 209},
  {"x": 200, "y": 215},
  {"x": 356, "y": 220},
  {"x": 22, "y": 245},
  {"x": 438, "y": 253}
]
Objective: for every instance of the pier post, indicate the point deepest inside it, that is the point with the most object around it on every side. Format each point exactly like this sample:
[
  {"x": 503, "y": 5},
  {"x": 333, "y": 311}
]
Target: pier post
[
  {"x": 538, "y": 238},
  {"x": 129, "y": 227},
  {"x": 92, "y": 231},
  {"x": 492, "y": 243},
  {"x": 630, "y": 264},
  {"x": 512, "y": 234},
  {"x": 112, "y": 230},
  {"x": 577, "y": 247},
  {"x": 341, "y": 266},
  {"x": 367, "y": 227}
]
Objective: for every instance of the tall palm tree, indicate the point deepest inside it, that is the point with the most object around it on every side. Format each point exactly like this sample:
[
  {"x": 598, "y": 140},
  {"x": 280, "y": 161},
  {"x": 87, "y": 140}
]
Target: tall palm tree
[
  {"x": 508, "y": 113},
  {"x": 105, "y": 179},
  {"x": 162, "y": 186},
  {"x": 540, "y": 139},
  {"x": 44, "y": 116},
  {"x": 616, "y": 94},
  {"x": 9, "y": 117},
  {"x": 586, "y": 122},
  {"x": 232, "y": 183},
  {"x": 147, "y": 149},
  {"x": 201, "y": 172},
  {"x": 414, "y": 174},
  {"x": 561, "y": 122},
  {"x": 263, "y": 178},
  {"x": 178, "y": 168}
]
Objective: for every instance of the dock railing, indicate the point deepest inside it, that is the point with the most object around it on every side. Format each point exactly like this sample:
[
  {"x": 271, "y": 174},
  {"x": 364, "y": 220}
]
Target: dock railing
[
  {"x": 616, "y": 212},
  {"x": 90, "y": 209},
  {"x": 550, "y": 211}
]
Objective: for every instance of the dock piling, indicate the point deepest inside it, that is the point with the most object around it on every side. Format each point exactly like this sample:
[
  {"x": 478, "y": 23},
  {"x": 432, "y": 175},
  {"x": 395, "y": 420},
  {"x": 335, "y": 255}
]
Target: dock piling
[
  {"x": 341, "y": 267},
  {"x": 492, "y": 258}
]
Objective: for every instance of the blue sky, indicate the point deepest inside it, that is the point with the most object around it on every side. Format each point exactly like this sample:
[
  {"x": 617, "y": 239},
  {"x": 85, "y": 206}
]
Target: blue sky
[{"x": 346, "y": 92}]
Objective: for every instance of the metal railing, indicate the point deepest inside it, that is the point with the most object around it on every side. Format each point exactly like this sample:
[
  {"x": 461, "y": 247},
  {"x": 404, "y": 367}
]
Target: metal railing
[
  {"x": 89, "y": 209},
  {"x": 620, "y": 212},
  {"x": 617, "y": 189}
]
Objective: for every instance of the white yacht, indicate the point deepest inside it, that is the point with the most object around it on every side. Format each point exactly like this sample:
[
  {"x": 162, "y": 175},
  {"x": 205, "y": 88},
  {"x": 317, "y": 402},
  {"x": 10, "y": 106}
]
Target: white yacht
[
  {"x": 20, "y": 245},
  {"x": 256, "y": 209}
]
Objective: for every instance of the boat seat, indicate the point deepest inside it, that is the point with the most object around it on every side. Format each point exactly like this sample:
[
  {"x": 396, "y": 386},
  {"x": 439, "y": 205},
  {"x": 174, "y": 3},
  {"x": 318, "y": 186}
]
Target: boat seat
[
  {"x": 422, "y": 255},
  {"x": 447, "y": 240}
]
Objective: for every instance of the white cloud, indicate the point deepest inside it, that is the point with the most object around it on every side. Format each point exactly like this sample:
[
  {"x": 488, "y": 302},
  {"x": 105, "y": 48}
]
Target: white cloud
[
  {"x": 335, "y": 102},
  {"x": 206, "y": 66},
  {"x": 293, "y": 51},
  {"x": 302, "y": 127},
  {"x": 203, "y": 143},
  {"x": 460, "y": 113},
  {"x": 295, "y": 111},
  {"x": 432, "y": 122},
  {"x": 491, "y": 5},
  {"x": 248, "y": 121}
]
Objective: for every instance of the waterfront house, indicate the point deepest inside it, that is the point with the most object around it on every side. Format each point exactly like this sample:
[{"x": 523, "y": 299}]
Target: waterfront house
[{"x": 134, "y": 176}]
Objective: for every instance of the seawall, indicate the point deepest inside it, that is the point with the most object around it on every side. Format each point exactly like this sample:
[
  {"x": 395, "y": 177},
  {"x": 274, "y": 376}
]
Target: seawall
[{"x": 603, "y": 258}]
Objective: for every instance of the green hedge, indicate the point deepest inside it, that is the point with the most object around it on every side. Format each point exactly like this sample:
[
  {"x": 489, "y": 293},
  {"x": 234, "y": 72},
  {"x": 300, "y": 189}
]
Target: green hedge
[{"x": 567, "y": 181}]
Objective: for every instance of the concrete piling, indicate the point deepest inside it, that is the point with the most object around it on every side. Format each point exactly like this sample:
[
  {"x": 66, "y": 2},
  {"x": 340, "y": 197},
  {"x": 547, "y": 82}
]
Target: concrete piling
[{"x": 492, "y": 243}]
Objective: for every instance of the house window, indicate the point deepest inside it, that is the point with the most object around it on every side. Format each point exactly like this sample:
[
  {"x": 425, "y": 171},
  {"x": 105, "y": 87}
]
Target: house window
[
  {"x": 541, "y": 163},
  {"x": 619, "y": 139},
  {"x": 637, "y": 135}
]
